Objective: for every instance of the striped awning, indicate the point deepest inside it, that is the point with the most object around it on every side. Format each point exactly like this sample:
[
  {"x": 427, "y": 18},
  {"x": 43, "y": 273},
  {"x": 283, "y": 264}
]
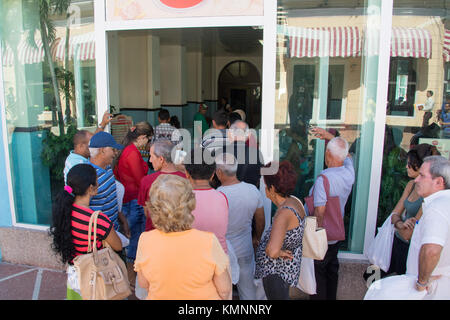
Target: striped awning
[
  {"x": 446, "y": 48},
  {"x": 82, "y": 47},
  {"x": 26, "y": 53},
  {"x": 411, "y": 42},
  {"x": 323, "y": 42}
]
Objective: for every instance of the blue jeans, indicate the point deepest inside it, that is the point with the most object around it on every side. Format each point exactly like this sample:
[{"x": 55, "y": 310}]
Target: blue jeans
[{"x": 136, "y": 222}]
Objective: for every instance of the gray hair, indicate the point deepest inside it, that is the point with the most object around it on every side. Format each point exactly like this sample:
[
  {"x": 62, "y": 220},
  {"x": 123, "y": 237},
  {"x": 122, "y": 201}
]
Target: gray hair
[
  {"x": 227, "y": 163},
  {"x": 439, "y": 167},
  {"x": 338, "y": 147},
  {"x": 163, "y": 148},
  {"x": 94, "y": 152},
  {"x": 239, "y": 130}
]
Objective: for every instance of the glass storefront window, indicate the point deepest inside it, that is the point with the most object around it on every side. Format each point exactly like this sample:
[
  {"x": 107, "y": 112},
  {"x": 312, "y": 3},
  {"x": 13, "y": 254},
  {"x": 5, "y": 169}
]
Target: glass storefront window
[
  {"x": 418, "y": 78},
  {"x": 46, "y": 99},
  {"x": 328, "y": 78}
]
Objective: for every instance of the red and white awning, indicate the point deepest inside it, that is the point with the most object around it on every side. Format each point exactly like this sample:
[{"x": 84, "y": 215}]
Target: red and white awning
[
  {"x": 26, "y": 53},
  {"x": 446, "y": 48},
  {"x": 411, "y": 42},
  {"x": 82, "y": 47},
  {"x": 324, "y": 42}
]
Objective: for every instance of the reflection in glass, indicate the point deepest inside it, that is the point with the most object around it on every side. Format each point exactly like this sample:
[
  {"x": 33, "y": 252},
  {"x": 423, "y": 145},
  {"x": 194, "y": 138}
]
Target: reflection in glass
[{"x": 48, "y": 63}]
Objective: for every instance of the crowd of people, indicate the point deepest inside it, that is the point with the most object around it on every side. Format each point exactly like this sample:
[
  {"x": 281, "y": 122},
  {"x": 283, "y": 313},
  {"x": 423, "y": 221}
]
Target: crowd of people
[{"x": 193, "y": 229}]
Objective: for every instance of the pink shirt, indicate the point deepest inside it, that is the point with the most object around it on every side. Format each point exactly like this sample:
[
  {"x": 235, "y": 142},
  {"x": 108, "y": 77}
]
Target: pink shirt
[{"x": 211, "y": 213}]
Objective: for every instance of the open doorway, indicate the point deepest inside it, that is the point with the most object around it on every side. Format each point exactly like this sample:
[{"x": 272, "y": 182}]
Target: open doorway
[
  {"x": 179, "y": 69},
  {"x": 240, "y": 83}
]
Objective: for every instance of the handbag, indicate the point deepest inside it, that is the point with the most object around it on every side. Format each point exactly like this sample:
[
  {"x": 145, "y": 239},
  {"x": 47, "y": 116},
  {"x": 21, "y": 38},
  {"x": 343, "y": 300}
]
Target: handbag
[
  {"x": 332, "y": 219},
  {"x": 307, "y": 279},
  {"x": 380, "y": 250},
  {"x": 314, "y": 242},
  {"x": 102, "y": 273}
]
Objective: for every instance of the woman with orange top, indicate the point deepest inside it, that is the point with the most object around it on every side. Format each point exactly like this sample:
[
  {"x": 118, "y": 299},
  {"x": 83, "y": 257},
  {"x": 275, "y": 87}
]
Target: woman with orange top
[{"x": 174, "y": 261}]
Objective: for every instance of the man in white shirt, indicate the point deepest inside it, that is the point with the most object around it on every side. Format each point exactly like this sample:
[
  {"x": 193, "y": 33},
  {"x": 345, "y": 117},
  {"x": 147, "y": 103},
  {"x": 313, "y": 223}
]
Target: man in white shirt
[
  {"x": 428, "y": 108},
  {"x": 429, "y": 253},
  {"x": 428, "y": 264}
]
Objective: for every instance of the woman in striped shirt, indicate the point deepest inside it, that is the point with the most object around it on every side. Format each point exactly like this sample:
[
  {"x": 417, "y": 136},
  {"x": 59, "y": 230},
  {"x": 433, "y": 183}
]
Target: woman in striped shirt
[{"x": 70, "y": 222}]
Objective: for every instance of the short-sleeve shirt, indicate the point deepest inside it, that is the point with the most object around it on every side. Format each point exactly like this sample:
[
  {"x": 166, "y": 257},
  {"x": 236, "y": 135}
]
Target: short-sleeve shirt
[
  {"x": 106, "y": 198},
  {"x": 199, "y": 117},
  {"x": 80, "y": 226},
  {"x": 243, "y": 200},
  {"x": 72, "y": 160},
  {"x": 432, "y": 228},
  {"x": 211, "y": 213},
  {"x": 180, "y": 265},
  {"x": 341, "y": 181},
  {"x": 146, "y": 184},
  {"x": 165, "y": 131}
]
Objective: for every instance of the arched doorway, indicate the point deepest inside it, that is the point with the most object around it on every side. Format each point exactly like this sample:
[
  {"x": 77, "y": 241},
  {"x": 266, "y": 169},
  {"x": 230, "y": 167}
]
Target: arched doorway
[{"x": 240, "y": 82}]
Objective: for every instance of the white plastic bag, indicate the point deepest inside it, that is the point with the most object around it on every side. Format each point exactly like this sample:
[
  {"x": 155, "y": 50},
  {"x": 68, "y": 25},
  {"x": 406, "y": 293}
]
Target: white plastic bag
[
  {"x": 395, "y": 288},
  {"x": 379, "y": 252},
  {"x": 140, "y": 292},
  {"x": 234, "y": 266},
  {"x": 307, "y": 279}
]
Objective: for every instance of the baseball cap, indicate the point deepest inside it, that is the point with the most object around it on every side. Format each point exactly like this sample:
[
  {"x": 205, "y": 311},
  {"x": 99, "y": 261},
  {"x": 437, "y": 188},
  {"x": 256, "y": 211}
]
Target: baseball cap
[{"x": 104, "y": 139}]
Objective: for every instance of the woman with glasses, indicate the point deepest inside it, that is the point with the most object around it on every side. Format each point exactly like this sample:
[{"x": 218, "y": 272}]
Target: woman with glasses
[{"x": 129, "y": 170}]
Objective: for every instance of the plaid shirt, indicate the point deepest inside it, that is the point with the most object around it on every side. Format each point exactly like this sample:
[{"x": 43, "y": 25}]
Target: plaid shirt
[{"x": 167, "y": 132}]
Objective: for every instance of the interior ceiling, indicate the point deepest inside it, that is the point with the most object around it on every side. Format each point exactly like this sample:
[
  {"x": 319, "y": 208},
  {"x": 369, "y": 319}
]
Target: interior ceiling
[{"x": 230, "y": 39}]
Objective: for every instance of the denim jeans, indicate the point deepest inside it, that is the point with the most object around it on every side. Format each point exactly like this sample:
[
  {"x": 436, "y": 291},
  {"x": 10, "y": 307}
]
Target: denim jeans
[
  {"x": 275, "y": 287},
  {"x": 136, "y": 222}
]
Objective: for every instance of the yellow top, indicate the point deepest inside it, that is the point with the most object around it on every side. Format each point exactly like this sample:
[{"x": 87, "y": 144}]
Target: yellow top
[{"x": 180, "y": 265}]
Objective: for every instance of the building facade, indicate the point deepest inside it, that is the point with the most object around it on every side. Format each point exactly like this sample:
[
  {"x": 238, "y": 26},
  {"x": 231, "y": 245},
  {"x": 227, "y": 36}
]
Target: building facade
[{"x": 362, "y": 68}]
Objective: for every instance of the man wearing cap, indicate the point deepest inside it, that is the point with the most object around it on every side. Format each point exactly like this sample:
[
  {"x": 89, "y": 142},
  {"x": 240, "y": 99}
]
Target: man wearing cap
[{"x": 103, "y": 148}]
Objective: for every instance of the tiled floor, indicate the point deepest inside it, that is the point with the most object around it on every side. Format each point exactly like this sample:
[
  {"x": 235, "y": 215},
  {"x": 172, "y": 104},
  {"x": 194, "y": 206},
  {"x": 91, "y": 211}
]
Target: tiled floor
[{"x": 20, "y": 282}]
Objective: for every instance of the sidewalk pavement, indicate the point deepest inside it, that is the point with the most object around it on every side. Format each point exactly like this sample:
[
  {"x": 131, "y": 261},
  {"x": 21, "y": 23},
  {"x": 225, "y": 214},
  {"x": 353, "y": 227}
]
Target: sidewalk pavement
[{"x": 21, "y": 282}]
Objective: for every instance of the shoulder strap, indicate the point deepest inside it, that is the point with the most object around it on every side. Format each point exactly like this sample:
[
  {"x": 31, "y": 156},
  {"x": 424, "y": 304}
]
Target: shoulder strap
[
  {"x": 93, "y": 222},
  {"x": 326, "y": 184},
  {"x": 294, "y": 211},
  {"x": 301, "y": 205}
]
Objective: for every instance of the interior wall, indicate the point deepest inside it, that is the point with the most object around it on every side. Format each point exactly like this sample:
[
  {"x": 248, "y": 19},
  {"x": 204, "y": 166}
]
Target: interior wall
[
  {"x": 172, "y": 64},
  {"x": 133, "y": 71}
]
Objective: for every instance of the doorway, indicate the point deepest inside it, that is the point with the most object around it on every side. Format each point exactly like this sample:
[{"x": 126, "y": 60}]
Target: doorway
[
  {"x": 179, "y": 69},
  {"x": 240, "y": 82}
]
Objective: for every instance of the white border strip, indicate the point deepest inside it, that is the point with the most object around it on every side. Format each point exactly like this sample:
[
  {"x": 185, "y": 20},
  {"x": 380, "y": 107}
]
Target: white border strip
[
  {"x": 188, "y": 22},
  {"x": 380, "y": 120},
  {"x": 12, "y": 205},
  {"x": 101, "y": 61},
  {"x": 269, "y": 70}
]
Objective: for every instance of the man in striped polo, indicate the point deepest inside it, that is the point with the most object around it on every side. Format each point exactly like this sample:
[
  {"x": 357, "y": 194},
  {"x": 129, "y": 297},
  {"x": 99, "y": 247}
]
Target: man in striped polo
[{"x": 103, "y": 148}]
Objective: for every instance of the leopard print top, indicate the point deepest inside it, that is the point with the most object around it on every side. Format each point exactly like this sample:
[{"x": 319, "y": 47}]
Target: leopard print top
[{"x": 288, "y": 270}]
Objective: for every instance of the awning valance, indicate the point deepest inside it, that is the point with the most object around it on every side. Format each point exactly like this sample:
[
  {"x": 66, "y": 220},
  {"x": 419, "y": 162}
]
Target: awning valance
[
  {"x": 411, "y": 42},
  {"x": 82, "y": 47},
  {"x": 322, "y": 42},
  {"x": 446, "y": 48}
]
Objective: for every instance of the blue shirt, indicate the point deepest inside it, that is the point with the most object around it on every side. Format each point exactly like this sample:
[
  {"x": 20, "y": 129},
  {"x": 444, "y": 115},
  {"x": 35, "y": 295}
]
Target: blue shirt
[
  {"x": 341, "y": 181},
  {"x": 106, "y": 198},
  {"x": 72, "y": 160}
]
